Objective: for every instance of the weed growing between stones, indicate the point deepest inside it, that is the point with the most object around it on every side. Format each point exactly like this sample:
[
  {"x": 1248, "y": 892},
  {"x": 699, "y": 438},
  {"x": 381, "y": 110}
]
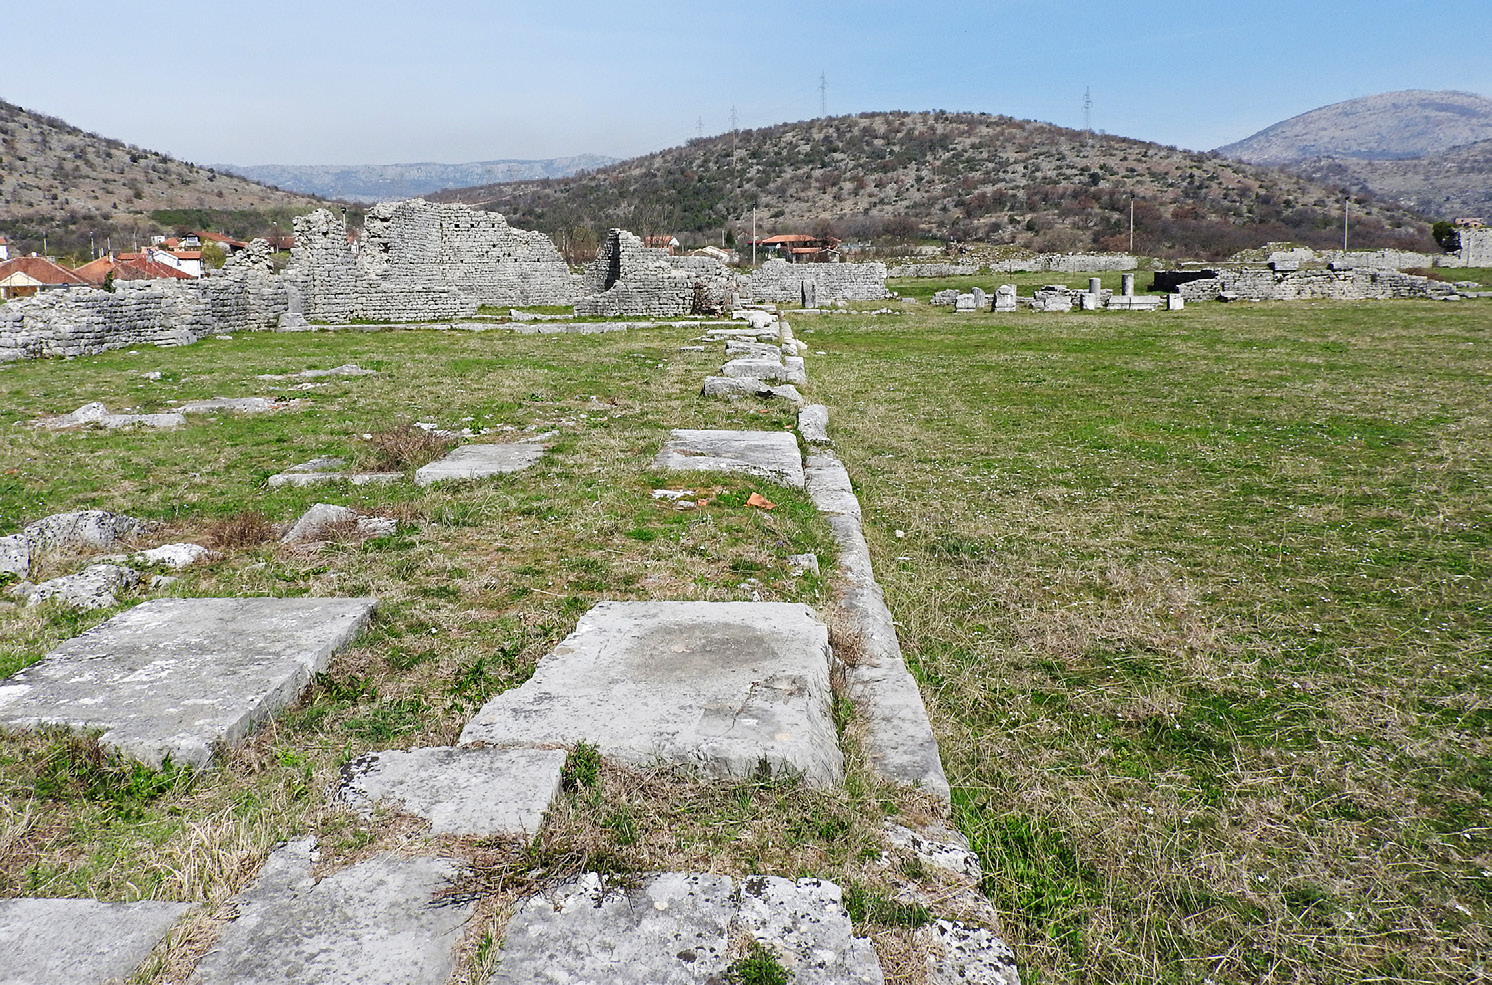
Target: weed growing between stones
[
  {"x": 401, "y": 448},
  {"x": 758, "y": 966}
]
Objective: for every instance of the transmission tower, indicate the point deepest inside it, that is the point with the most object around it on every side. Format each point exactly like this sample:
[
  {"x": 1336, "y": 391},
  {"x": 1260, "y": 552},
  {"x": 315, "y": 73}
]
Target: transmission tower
[
  {"x": 1088, "y": 109},
  {"x": 823, "y": 95},
  {"x": 699, "y": 127}
]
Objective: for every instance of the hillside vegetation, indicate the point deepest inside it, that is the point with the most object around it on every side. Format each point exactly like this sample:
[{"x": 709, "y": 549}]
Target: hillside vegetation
[
  {"x": 66, "y": 184},
  {"x": 393, "y": 182},
  {"x": 965, "y": 176}
]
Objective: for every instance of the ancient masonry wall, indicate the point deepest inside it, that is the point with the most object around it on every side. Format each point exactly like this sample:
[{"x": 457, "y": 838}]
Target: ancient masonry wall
[
  {"x": 1476, "y": 247},
  {"x": 780, "y": 282},
  {"x": 630, "y": 279},
  {"x": 422, "y": 262},
  {"x": 1264, "y": 284},
  {"x": 83, "y": 320}
]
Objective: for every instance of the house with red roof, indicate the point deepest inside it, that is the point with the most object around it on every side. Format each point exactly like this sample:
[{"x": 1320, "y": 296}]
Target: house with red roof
[
  {"x": 802, "y": 248},
  {"x": 25, "y": 276}
]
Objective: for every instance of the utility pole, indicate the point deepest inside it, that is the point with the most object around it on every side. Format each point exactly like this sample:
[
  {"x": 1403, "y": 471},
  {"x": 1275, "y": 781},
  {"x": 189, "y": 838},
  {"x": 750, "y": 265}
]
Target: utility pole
[
  {"x": 1131, "y": 222},
  {"x": 1346, "y": 207},
  {"x": 753, "y": 235},
  {"x": 823, "y": 95},
  {"x": 699, "y": 127}
]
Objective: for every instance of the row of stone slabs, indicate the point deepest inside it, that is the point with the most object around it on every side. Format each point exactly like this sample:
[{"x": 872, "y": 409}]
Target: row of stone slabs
[
  {"x": 385, "y": 921},
  {"x": 477, "y": 461}
]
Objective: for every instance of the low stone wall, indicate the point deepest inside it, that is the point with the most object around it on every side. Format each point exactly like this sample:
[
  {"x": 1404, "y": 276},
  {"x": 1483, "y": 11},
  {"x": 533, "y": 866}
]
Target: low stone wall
[
  {"x": 1263, "y": 284},
  {"x": 934, "y": 270},
  {"x": 1476, "y": 247},
  {"x": 628, "y": 279},
  {"x": 780, "y": 282},
  {"x": 1066, "y": 263},
  {"x": 83, "y": 320}
]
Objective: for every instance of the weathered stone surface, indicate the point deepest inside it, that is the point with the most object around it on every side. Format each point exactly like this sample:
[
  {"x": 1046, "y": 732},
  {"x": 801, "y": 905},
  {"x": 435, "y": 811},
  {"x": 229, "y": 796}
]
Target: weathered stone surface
[
  {"x": 900, "y": 743},
  {"x": 95, "y": 587},
  {"x": 949, "y": 851},
  {"x": 760, "y": 350},
  {"x": 78, "y": 941},
  {"x": 769, "y": 454},
  {"x": 346, "y": 369},
  {"x": 325, "y": 520},
  {"x": 958, "y": 954},
  {"x": 802, "y": 564},
  {"x": 183, "y": 677},
  {"x": 15, "y": 555},
  {"x": 481, "y": 462},
  {"x": 829, "y": 486},
  {"x": 81, "y": 531},
  {"x": 97, "y": 414},
  {"x": 734, "y": 388},
  {"x": 375, "y": 923},
  {"x": 172, "y": 555},
  {"x": 718, "y": 685},
  {"x": 813, "y": 424},
  {"x": 240, "y": 405},
  {"x": 782, "y": 282},
  {"x": 774, "y": 370},
  {"x": 681, "y": 929},
  {"x": 460, "y": 791}
]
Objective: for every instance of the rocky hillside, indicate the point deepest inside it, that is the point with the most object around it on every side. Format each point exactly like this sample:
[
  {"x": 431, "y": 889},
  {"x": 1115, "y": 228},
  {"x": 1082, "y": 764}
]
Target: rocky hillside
[
  {"x": 63, "y": 183},
  {"x": 1457, "y": 182},
  {"x": 1392, "y": 125},
  {"x": 902, "y": 176},
  {"x": 395, "y": 182}
]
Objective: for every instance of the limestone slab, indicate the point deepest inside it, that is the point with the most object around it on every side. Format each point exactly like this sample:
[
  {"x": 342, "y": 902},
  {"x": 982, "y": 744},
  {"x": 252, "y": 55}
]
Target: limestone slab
[
  {"x": 183, "y": 677},
  {"x": 734, "y": 388},
  {"x": 324, "y": 520},
  {"x": 240, "y": 405},
  {"x": 771, "y": 455},
  {"x": 722, "y": 686},
  {"x": 775, "y": 370},
  {"x": 81, "y": 531},
  {"x": 376, "y": 923},
  {"x": 95, "y": 587},
  {"x": 460, "y": 791},
  {"x": 78, "y": 941},
  {"x": 682, "y": 929},
  {"x": 480, "y": 462},
  {"x": 959, "y": 954},
  {"x": 813, "y": 424}
]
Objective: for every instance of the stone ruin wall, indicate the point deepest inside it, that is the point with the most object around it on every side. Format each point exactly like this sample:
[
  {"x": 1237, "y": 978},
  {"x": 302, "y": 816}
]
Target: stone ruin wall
[
  {"x": 630, "y": 279},
  {"x": 1059, "y": 263},
  {"x": 424, "y": 262},
  {"x": 780, "y": 282},
  {"x": 82, "y": 321},
  {"x": 1476, "y": 247},
  {"x": 1264, "y": 284}
]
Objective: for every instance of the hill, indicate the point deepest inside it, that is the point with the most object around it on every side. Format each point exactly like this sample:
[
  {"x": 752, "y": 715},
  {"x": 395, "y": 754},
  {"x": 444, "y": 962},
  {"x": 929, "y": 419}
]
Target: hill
[
  {"x": 1413, "y": 123},
  {"x": 1457, "y": 182},
  {"x": 966, "y": 176},
  {"x": 394, "y": 182},
  {"x": 66, "y": 184}
]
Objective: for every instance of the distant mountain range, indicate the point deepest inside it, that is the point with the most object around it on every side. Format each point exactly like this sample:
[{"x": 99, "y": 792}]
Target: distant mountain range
[
  {"x": 1430, "y": 151},
  {"x": 394, "y": 182}
]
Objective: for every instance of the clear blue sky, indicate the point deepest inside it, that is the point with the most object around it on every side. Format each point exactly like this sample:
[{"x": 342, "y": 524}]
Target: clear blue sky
[{"x": 375, "y": 81}]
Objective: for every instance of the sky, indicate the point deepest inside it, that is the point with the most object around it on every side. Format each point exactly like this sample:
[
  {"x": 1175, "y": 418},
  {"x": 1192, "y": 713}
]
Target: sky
[{"x": 383, "y": 82}]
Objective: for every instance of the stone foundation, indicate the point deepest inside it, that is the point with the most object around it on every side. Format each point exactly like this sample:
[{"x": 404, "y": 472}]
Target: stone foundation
[{"x": 1263, "y": 284}]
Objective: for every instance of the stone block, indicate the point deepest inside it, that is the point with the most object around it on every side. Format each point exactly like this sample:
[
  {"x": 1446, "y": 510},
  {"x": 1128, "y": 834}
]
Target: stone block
[
  {"x": 959, "y": 954},
  {"x": 771, "y": 455},
  {"x": 183, "y": 677},
  {"x": 79, "y": 941},
  {"x": 813, "y": 424},
  {"x": 95, "y": 587},
  {"x": 63, "y": 533},
  {"x": 481, "y": 462},
  {"x": 460, "y": 791},
  {"x": 734, "y": 388},
  {"x": 773, "y": 369},
  {"x": 721, "y": 686},
  {"x": 238, "y": 405},
  {"x": 324, "y": 520},
  {"x": 683, "y": 928},
  {"x": 376, "y": 923}
]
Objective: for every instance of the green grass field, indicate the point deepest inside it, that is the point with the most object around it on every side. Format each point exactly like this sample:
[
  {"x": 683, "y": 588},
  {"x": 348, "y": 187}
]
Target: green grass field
[{"x": 1197, "y": 601}]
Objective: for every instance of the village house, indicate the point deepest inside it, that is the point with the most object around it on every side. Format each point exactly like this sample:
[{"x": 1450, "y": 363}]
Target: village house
[
  {"x": 801, "y": 247},
  {"x": 25, "y": 276}
]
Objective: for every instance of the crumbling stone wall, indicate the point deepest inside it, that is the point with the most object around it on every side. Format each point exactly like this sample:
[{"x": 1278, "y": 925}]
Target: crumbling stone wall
[
  {"x": 1066, "y": 263},
  {"x": 934, "y": 270},
  {"x": 1476, "y": 247},
  {"x": 630, "y": 279},
  {"x": 1358, "y": 284},
  {"x": 84, "y": 320},
  {"x": 421, "y": 262},
  {"x": 780, "y": 282}
]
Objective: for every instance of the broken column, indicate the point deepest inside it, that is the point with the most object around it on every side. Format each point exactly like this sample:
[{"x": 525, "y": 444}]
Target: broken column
[{"x": 1128, "y": 281}]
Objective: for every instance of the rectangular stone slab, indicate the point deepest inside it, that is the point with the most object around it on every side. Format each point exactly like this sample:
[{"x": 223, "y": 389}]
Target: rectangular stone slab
[
  {"x": 772, "y": 455},
  {"x": 683, "y": 929},
  {"x": 79, "y": 941},
  {"x": 183, "y": 677},
  {"x": 376, "y": 923},
  {"x": 723, "y": 686},
  {"x": 480, "y": 462},
  {"x": 460, "y": 791}
]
